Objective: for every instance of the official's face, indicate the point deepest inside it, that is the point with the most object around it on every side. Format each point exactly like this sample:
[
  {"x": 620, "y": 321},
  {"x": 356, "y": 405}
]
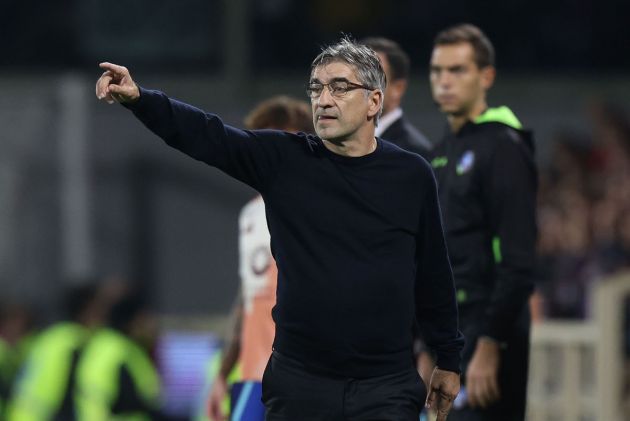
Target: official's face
[
  {"x": 340, "y": 118},
  {"x": 395, "y": 88},
  {"x": 457, "y": 83},
  {"x": 387, "y": 101}
]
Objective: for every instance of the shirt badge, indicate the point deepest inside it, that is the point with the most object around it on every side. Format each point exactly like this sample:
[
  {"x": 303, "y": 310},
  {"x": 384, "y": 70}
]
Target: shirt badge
[
  {"x": 439, "y": 162},
  {"x": 465, "y": 163}
]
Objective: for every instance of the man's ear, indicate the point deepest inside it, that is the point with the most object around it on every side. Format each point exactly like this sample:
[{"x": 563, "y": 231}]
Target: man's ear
[
  {"x": 375, "y": 102},
  {"x": 488, "y": 74}
]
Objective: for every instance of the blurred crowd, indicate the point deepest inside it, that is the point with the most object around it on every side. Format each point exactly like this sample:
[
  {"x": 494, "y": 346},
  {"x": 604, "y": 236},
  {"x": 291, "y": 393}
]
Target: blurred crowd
[
  {"x": 584, "y": 213},
  {"x": 93, "y": 363},
  {"x": 584, "y": 219}
]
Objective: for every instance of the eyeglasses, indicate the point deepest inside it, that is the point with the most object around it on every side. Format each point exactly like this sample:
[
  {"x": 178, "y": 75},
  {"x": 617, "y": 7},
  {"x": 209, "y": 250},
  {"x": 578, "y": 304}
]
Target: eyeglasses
[{"x": 337, "y": 88}]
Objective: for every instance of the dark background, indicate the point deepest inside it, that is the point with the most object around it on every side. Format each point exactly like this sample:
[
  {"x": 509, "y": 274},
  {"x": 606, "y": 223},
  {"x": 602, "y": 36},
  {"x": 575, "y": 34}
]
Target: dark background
[{"x": 283, "y": 35}]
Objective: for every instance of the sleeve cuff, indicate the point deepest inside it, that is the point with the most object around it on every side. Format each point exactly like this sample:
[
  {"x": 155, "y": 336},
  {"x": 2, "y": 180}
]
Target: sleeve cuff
[{"x": 449, "y": 361}]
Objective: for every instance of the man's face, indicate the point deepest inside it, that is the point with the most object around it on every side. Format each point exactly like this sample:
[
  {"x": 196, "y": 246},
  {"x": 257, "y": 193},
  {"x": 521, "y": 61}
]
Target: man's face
[
  {"x": 339, "y": 118},
  {"x": 394, "y": 90},
  {"x": 457, "y": 83}
]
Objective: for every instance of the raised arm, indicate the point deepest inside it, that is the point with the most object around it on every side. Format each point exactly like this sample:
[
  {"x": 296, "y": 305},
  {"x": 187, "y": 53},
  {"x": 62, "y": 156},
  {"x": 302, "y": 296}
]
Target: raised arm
[{"x": 253, "y": 157}]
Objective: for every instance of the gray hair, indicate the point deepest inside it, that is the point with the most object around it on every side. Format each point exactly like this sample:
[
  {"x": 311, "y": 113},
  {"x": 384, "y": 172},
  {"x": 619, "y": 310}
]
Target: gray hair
[{"x": 362, "y": 58}]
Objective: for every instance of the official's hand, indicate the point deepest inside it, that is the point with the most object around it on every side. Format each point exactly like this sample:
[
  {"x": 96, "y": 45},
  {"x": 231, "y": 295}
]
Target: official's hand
[
  {"x": 217, "y": 395},
  {"x": 116, "y": 84},
  {"x": 482, "y": 374},
  {"x": 443, "y": 389}
]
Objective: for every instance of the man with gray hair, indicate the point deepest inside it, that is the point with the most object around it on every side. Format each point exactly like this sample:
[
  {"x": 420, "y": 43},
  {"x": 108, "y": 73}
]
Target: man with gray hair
[{"x": 357, "y": 235}]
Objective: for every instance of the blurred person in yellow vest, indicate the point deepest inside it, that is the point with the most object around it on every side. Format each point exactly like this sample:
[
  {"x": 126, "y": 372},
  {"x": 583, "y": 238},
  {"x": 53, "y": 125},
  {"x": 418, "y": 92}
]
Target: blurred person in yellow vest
[
  {"x": 45, "y": 388},
  {"x": 250, "y": 345},
  {"x": 16, "y": 337},
  {"x": 116, "y": 376}
]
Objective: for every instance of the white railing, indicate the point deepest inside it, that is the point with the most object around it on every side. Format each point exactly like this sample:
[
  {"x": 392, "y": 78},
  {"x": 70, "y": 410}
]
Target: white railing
[
  {"x": 610, "y": 299},
  {"x": 577, "y": 369}
]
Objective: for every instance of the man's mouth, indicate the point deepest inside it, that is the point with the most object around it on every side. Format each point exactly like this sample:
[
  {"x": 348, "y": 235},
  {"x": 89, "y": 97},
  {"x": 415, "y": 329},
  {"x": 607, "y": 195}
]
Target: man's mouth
[{"x": 325, "y": 118}]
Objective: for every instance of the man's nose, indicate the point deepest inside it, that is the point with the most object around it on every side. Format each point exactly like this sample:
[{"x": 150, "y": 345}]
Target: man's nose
[
  {"x": 325, "y": 98},
  {"x": 445, "y": 79}
]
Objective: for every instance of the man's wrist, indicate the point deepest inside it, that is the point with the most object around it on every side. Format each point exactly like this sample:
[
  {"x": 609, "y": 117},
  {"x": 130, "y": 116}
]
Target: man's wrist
[
  {"x": 132, "y": 103},
  {"x": 489, "y": 343},
  {"x": 458, "y": 372},
  {"x": 136, "y": 98}
]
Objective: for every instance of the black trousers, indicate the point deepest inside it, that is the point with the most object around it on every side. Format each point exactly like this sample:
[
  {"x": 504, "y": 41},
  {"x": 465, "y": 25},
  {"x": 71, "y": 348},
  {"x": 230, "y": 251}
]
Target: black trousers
[{"x": 292, "y": 393}]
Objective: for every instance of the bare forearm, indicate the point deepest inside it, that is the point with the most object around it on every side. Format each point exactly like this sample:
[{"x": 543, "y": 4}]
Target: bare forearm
[
  {"x": 231, "y": 354},
  {"x": 230, "y": 357}
]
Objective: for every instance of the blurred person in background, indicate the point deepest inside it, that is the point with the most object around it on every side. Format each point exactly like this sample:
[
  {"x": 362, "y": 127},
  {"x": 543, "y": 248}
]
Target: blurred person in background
[
  {"x": 45, "y": 388},
  {"x": 572, "y": 266},
  {"x": 116, "y": 376},
  {"x": 566, "y": 264},
  {"x": 393, "y": 125},
  {"x": 251, "y": 341},
  {"x": 357, "y": 235},
  {"x": 487, "y": 185},
  {"x": 609, "y": 168},
  {"x": 618, "y": 253},
  {"x": 17, "y": 334}
]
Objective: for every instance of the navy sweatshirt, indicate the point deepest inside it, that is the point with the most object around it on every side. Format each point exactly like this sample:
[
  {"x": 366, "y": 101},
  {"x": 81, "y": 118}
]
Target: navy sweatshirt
[{"x": 358, "y": 241}]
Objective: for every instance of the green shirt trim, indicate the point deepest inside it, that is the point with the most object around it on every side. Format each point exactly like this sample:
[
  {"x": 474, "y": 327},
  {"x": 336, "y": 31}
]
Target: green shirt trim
[
  {"x": 439, "y": 161},
  {"x": 499, "y": 115},
  {"x": 462, "y": 295},
  {"x": 496, "y": 249}
]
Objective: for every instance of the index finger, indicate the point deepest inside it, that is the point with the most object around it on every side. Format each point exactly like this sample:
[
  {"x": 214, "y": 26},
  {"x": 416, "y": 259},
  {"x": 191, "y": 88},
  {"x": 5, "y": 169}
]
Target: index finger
[
  {"x": 113, "y": 67},
  {"x": 102, "y": 83}
]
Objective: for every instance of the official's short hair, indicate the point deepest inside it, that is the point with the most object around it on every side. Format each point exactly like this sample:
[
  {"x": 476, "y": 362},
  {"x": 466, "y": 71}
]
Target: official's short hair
[
  {"x": 397, "y": 58},
  {"x": 468, "y": 33},
  {"x": 282, "y": 113},
  {"x": 367, "y": 64}
]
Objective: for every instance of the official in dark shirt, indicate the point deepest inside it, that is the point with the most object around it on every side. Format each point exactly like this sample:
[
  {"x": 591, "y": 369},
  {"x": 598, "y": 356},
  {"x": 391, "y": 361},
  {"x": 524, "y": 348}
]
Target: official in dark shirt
[
  {"x": 393, "y": 125},
  {"x": 487, "y": 186},
  {"x": 357, "y": 236}
]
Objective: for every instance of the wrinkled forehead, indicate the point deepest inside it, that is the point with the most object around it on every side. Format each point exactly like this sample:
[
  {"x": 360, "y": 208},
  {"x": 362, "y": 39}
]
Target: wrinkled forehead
[{"x": 336, "y": 69}]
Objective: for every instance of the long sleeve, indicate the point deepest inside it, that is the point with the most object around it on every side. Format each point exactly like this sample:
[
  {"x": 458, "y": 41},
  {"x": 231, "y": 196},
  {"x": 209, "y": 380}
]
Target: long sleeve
[
  {"x": 249, "y": 156},
  {"x": 510, "y": 200},
  {"x": 436, "y": 306}
]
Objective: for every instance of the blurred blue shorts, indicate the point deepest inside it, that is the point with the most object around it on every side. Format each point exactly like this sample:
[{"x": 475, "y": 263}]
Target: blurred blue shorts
[{"x": 245, "y": 402}]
